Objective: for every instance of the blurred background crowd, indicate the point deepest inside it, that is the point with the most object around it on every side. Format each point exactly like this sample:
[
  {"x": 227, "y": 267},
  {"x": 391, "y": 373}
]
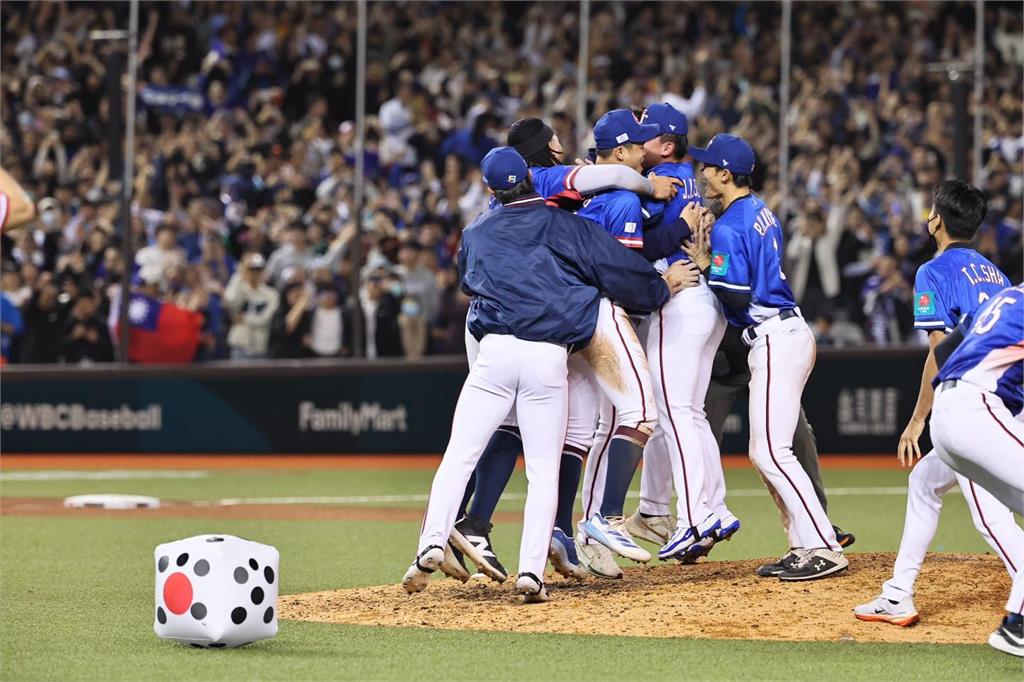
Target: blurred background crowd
[{"x": 243, "y": 212}]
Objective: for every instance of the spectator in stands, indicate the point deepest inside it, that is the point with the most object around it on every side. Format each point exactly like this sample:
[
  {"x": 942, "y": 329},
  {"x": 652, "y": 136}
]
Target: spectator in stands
[
  {"x": 43, "y": 318},
  {"x": 251, "y": 304},
  {"x": 164, "y": 253},
  {"x": 326, "y": 328},
  {"x": 290, "y": 329},
  {"x": 380, "y": 301},
  {"x": 85, "y": 337},
  {"x": 886, "y": 298}
]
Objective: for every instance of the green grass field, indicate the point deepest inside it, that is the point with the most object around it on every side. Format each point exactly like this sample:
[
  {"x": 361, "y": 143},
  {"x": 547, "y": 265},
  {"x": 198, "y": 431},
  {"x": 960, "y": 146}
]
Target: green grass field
[{"x": 76, "y": 594}]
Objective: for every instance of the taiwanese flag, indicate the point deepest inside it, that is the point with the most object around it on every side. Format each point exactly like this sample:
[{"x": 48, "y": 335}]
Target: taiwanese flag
[{"x": 161, "y": 332}]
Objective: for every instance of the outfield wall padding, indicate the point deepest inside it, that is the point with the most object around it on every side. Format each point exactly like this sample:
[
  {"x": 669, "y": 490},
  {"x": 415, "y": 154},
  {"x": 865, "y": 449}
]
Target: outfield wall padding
[{"x": 857, "y": 401}]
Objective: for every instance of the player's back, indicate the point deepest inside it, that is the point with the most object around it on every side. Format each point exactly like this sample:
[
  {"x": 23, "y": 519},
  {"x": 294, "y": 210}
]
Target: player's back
[
  {"x": 619, "y": 212},
  {"x": 991, "y": 355},
  {"x": 659, "y": 214},
  {"x": 954, "y": 284}
]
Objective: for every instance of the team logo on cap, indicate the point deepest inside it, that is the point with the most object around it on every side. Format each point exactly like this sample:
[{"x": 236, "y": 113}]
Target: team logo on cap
[
  {"x": 622, "y": 138},
  {"x": 512, "y": 178}
]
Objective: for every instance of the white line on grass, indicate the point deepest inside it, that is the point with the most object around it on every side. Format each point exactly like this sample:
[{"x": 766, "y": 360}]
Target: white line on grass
[
  {"x": 102, "y": 475},
  {"x": 380, "y": 499}
]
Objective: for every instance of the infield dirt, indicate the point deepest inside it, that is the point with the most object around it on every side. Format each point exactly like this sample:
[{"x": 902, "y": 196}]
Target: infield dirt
[{"x": 960, "y": 598}]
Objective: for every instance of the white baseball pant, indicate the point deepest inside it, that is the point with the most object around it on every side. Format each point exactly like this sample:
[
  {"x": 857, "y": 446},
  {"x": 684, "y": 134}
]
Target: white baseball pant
[
  {"x": 507, "y": 372},
  {"x": 975, "y": 433},
  {"x": 681, "y": 345},
  {"x": 618, "y": 366},
  {"x": 781, "y": 358},
  {"x": 930, "y": 479}
]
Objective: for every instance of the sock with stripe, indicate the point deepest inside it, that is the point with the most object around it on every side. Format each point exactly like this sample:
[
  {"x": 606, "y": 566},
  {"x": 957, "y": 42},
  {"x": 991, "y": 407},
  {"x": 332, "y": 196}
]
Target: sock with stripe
[{"x": 493, "y": 472}]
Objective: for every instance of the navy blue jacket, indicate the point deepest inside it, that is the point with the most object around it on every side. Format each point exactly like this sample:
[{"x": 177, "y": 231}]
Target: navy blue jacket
[{"x": 537, "y": 273}]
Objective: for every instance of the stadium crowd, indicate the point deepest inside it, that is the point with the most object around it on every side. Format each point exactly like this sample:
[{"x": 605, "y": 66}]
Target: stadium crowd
[{"x": 245, "y": 154}]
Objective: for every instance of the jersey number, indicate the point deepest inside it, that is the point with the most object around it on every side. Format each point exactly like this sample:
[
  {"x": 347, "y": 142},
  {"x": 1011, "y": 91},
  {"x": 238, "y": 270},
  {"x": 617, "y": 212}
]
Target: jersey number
[{"x": 991, "y": 316}]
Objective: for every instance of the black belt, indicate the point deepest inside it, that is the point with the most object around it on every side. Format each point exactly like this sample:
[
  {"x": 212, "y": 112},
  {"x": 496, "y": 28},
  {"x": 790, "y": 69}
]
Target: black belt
[
  {"x": 948, "y": 383},
  {"x": 750, "y": 333}
]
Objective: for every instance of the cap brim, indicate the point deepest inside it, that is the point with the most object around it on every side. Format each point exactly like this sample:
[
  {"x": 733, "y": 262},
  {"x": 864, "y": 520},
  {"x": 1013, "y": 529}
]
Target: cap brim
[
  {"x": 701, "y": 154},
  {"x": 648, "y": 131}
]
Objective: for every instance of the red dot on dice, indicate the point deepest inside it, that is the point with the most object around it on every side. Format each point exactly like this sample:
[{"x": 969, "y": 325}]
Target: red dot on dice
[{"x": 178, "y": 593}]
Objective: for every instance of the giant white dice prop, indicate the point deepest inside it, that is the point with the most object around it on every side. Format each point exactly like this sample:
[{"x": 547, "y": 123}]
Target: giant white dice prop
[{"x": 216, "y": 591}]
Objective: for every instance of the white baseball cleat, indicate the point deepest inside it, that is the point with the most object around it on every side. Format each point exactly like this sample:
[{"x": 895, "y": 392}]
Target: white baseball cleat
[
  {"x": 418, "y": 576},
  {"x": 685, "y": 536},
  {"x": 882, "y": 610},
  {"x": 453, "y": 566},
  {"x": 1009, "y": 638},
  {"x": 562, "y": 553},
  {"x": 654, "y": 529},
  {"x": 532, "y": 589},
  {"x": 611, "y": 532},
  {"x": 597, "y": 559}
]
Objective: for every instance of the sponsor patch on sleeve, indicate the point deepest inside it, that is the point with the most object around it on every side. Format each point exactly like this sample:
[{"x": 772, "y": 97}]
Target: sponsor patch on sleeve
[
  {"x": 924, "y": 303},
  {"x": 719, "y": 263}
]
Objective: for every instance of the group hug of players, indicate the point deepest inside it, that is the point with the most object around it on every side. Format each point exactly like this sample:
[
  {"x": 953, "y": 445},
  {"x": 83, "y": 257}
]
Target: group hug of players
[{"x": 600, "y": 295}]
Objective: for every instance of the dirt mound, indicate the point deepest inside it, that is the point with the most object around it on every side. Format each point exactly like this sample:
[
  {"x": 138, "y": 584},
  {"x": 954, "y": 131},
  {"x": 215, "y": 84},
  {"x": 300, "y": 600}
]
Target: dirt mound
[{"x": 960, "y": 598}]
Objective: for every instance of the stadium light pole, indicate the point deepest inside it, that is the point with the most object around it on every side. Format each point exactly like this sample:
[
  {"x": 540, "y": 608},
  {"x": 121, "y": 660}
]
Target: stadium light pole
[
  {"x": 128, "y": 160},
  {"x": 785, "y": 41},
  {"x": 582, "y": 77},
  {"x": 979, "y": 85},
  {"x": 359, "y": 188}
]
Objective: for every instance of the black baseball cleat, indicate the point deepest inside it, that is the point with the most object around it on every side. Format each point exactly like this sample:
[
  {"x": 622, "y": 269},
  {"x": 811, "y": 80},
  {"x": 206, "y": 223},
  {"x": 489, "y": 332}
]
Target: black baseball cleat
[
  {"x": 1009, "y": 638},
  {"x": 844, "y": 539},
  {"x": 815, "y": 564},
  {"x": 772, "y": 570},
  {"x": 472, "y": 537}
]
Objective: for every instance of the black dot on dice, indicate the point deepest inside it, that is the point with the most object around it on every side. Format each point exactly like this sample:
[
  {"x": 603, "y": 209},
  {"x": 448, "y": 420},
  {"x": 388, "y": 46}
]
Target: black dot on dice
[
  {"x": 182, "y": 559},
  {"x": 268, "y": 615},
  {"x": 218, "y": 645},
  {"x": 202, "y": 567},
  {"x": 268, "y": 573},
  {"x": 238, "y": 615},
  {"x": 197, "y": 646},
  {"x": 241, "y": 575},
  {"x": 215, "y": 539},
  {"x": 257, "y": 595},
  {"x": 160, "y": 615},
  {"x": 253, "y": 565},
  {"x": 198, "y": 610},
  {"x": 162, "y": 564}
]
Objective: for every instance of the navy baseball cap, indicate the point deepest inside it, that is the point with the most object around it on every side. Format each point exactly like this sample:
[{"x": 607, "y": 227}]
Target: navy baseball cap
[
  {"x": 620, "y": 127},
  {"x": 503, "y": 168},
  {"x": 726, "y": 151},
  {"x": 670, "y": 121}
]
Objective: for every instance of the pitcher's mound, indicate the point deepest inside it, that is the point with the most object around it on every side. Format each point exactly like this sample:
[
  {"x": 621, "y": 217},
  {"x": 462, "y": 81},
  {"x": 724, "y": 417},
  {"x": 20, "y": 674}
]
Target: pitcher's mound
[{"x": 960, "y": 598}]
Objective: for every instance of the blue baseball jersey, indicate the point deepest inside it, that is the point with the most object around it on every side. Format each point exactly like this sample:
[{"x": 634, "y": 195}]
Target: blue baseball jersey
[
  {"x": 746, "y": 256},
  {"x": 991, "y": 356},
  {"x": 953, "y": 284},
  {"x": 556, "y": 184},
  {"x": 619, "y": 212},
  {"x": 662, "y": 214}
]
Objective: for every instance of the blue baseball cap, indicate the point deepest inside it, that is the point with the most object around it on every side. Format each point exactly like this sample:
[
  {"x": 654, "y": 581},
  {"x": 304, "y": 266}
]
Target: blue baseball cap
[
  {"x": 503, "y": 168},
  {"x": 620, "y": 127},
  {"x": 726, "y": 151},
  {"x": 670, "y": 121}
]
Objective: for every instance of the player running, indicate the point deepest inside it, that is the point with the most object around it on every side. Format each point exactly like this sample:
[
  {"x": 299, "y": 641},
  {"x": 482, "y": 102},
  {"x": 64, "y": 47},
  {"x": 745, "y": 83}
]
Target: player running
[
  {"x": 743, "y": 265},
  {"x": 955, "y": 283},
  {"x": 978, "y": 392}
]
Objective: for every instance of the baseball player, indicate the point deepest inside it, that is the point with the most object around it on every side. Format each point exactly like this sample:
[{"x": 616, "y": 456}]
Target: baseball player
[
  {"x": 743, "y": 265},
  {"x": 16, "y": 208},
  {"x": 564, "y": 186},
  {"x": 627, "y": 410},
  {"x": 946, "y": 288},
  {"x": 978, "y": 392},
  {"x": 526, "y": 327},
  {"x": 681, "y": 339}
]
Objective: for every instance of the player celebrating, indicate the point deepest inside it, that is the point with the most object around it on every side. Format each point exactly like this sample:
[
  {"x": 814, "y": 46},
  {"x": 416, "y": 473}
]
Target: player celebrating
[
  {"x": 743, "y": 265},
  {"x": 525, "y": 326},
  {"x": 979, "y": 391},
  {"x": 16, "y": 207},
  {"x": 681, "y": 342},
  {"x": 946, "y": 288}
]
